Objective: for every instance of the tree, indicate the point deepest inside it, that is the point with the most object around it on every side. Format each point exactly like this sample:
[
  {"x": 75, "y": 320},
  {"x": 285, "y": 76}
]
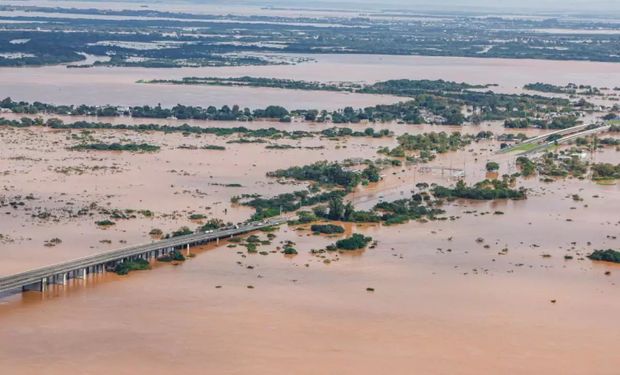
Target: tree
[
  {"x": 371, "y": 173},
  {"x": 348, "y": 211},
  {"x": 492, "y": 166},
  {"x": 336, "y": 209}
]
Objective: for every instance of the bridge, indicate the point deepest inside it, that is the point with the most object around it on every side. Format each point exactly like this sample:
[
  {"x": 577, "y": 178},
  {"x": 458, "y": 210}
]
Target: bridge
[
  {"x": 40, "y": 278},
  {"x": 537, "y": 141},
  {"x": 567, "y": 138}
]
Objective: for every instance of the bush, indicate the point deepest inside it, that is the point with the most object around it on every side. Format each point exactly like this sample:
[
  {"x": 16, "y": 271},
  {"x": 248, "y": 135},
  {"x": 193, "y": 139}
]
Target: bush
[
  {"x": 484, "y": 190},
  {"x": 183, "y": 231},
  {"x": 606, "y": 255},
  {"x": 289, "y": 250},
  {"x": 355, "y": 242},
  {"x": 105, "y": 223},
  {"x": 174, "y": 256},
  {"x": 492, "y": 166},
  {"x": 527, "y": 166},
  {"x": 327, "y": 228},
  {"x": 131, "y": 265}
]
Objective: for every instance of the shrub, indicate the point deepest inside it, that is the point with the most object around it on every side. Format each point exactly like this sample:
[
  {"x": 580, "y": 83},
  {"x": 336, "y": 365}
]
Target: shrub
[
  {"x": 492, "y": 166},
  {"x": 131, "y": 265},
  {"x": 174, "y": 256},
  {"x": 105, "y": 223},
  {"x": 606, "y": 255},
  {"x": 327, "y": 228},
  {"x": 355, "y": 242}
]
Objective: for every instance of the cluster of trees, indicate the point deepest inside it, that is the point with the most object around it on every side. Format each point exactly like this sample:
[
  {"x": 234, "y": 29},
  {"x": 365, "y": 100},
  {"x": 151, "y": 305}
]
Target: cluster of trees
[
  {"x": 436, "y": 102},
  {"x": 174, "y": 256},
  {"x": 484, "y": 190},
  {"x": 327, "y": 229},
  {"x": 182, "y": 112},
  {"x": 605, "y": 171},
  {"x": 355, "y": 242},
  {"x": 527, "y": 166},
  {"x": 561, "y": 165},
  {"x": 437, "y": 142},
  {"x": 492, "y": 166},
  {"x": 606, "y": 255},
  {"x": 427, "y": 144},
  {"x": 212, "y": 224},
  {"x": 55, "y": 123},
  {"x": 259, "y": 82},
  {"x": 132, "y": 265},
  {"x": 338, "y": 210},
  {"x": 556, "y": 122},
  {"x": 133, "y": 147},
  {"x": 397, "y": 212},
  {"x": 399, "y": 87},
  {"x": 348, "y": 132},
  {"x": 419, "y": 206},
  {"x": 443, "y": 99},
  {"x": 549, "y": 88},
  {"x": 183, "y": 231},
  {"x": 288, "y": 202},
  {"x": 569, "y": 89},
  {"x": 333, "y": 173}
]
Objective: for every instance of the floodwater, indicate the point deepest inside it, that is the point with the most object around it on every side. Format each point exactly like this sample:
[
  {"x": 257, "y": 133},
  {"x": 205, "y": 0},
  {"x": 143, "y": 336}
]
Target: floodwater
[
  {"x": 117, "y": 86},
  {"x": 443, "y": 302}
]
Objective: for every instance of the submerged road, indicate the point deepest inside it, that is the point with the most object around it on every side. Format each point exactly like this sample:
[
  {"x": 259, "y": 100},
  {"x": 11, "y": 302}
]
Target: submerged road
[{"x": 38, "y": 279}]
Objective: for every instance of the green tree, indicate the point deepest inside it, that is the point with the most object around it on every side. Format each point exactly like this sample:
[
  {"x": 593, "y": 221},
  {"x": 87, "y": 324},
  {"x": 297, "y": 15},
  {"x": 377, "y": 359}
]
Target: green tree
[
  {"x": 492, "y": 166},
  {"x": 336, "y": 209}
]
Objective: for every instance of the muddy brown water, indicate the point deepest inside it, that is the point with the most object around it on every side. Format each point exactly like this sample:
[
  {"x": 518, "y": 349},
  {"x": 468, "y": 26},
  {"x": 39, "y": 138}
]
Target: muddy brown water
[
  {"x": 443, "y": 302},
  {"x": 117, "y": 86}
]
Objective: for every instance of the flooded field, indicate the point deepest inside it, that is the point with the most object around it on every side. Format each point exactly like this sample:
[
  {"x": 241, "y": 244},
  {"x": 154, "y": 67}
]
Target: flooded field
[
  {"x": 489, "y": 287},
  {"x": 441, "y": 301},
  {"x": 118, "y": 86}
]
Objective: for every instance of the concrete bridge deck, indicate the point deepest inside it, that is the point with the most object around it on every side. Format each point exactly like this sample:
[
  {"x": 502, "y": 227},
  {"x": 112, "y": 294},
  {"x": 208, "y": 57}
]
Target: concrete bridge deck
[
  {"x": 568, "y": 138},
  {"x": 38, "y": 279},
  {"x": 542, "y": 139}
]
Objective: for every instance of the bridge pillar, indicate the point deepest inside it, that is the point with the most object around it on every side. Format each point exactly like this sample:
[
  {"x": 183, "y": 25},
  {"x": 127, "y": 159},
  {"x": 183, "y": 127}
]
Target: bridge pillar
[
  {"x": 187, "y": 251},
  {"x": 60, "y": 279},
  {"x": 43, "y": 284},
  {"x": 217, "y": 241},
  {"x": 82, "y": 273}
]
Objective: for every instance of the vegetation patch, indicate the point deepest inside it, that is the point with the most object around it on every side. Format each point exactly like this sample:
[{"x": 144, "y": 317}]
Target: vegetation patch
[
  {"x": 355, "y": 242},
  {"x": 606, "y": 256},
  {"x": 174, "y": 256},
  {"x": 105, "y": 223},
  {"x": 327, "y": 229},
  {"x": 131, "y": 265},
  {"x": 133, "y": 147},
  {"x": 484, "y": 190}
]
